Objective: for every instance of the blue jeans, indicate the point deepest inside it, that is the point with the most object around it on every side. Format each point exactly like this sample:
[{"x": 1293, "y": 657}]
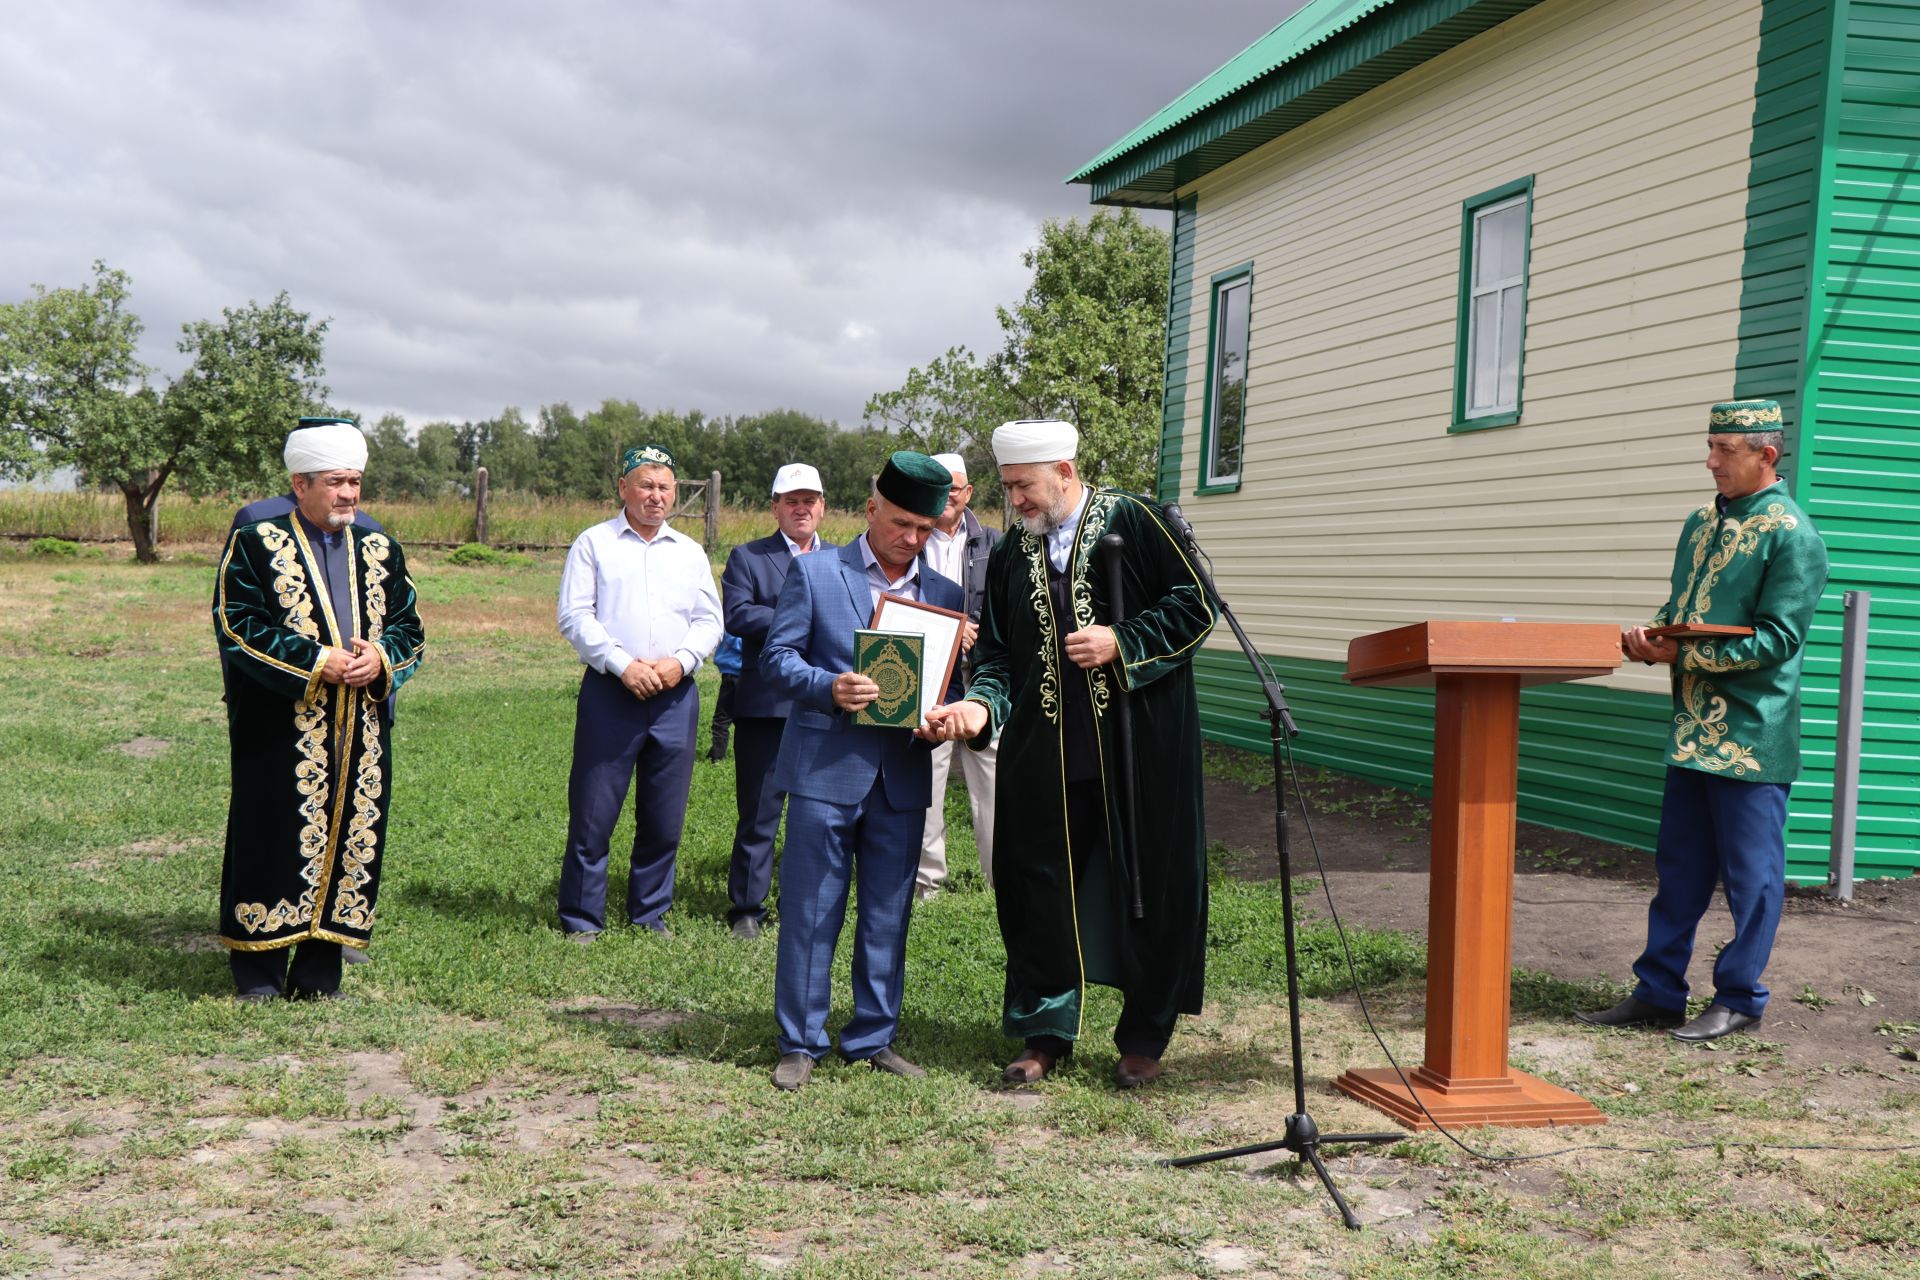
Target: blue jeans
[{"x": 1715, "y": 829}]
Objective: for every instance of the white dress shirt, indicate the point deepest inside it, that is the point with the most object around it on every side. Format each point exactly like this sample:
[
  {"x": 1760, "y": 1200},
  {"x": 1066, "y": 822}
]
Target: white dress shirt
[
  {"x": 623, "y": 597},
  {"x": 1060, "y": 541},
  {"x": 877, "y": 583},
  {"x": 795, "y": 549},
  {"x": 947, "y": 553}
]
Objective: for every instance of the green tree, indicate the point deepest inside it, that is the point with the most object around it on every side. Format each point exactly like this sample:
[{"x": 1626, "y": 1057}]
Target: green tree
[
  {"x": 951, "y": 406},
  {"x": 1087, "y": 342},
  {"x": 68, "y": 395},
  {"x": 397, "y": 467},
  {"x": 506, "y": 447}
]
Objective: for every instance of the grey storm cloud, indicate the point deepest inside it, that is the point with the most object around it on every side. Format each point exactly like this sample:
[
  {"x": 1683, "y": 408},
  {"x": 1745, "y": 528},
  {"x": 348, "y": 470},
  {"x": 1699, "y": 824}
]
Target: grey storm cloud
[{"x": 718, "y": 205}]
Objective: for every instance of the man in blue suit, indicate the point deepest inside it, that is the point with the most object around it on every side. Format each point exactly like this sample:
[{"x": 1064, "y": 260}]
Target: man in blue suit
[
  {"x": 857, "y": 796},
  {"x": 749, "y": 589}
]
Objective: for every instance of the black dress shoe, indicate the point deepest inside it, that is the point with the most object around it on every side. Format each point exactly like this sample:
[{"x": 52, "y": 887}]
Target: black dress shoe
[
  {"x": 745, "y": 927},
  {"x": 1717, "y": 1021},
  {"x": 792, "y": 1071},
  {"x": 353, "y": 955},
  {"x": 256, "y": 997},
  {"x": 1633, "y": 1012},
  {"x": 894, "y": 1065}
]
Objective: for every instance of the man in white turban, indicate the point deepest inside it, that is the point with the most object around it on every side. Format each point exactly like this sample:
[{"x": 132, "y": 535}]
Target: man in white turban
[
  {"x": 1050, "y": 669},
  {"x": 316, "y": 623}
]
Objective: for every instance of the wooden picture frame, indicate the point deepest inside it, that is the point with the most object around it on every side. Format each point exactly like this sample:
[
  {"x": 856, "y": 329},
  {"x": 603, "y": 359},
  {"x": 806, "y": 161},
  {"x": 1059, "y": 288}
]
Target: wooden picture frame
[{"x": 943, "y": 630}]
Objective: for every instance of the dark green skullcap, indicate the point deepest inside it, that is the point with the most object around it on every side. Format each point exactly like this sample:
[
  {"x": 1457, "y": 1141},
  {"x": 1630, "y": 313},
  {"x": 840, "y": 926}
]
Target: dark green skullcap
[
  {"x": 914, "y": 482},
  {"x": 1744, "y": 417},
  {"x": 325, "y": 422},
  {"x": 646, "y": 455}
]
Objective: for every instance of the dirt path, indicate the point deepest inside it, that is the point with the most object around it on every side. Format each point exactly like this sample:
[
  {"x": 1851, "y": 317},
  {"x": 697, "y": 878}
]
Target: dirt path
[{"x": 1580, "y": 913}]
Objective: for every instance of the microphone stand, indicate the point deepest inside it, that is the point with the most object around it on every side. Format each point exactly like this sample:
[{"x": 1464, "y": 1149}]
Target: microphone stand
[
  {"x": 1112, "y": 551},
  {"x": 1303, "y": 1136}
]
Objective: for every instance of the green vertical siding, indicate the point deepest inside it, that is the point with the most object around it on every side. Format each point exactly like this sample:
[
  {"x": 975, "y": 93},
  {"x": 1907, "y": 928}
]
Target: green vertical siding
[
  {"x": 1859, "y": 473},
  {"x": 1590, "y": 757},
  {"x": 1173, "y": 397}
]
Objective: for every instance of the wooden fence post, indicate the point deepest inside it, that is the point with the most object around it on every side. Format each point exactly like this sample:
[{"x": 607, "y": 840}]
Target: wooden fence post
[
  {"x": 480, "y": 506},
  {"x": 713, "y": 512}
]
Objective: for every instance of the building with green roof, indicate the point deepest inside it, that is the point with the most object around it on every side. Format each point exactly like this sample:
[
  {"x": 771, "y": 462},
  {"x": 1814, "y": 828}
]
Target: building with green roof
[{"x": 1454, "y": 283}]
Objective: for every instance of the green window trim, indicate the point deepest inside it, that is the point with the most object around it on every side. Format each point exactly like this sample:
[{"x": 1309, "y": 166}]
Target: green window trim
[
  {"x": 1207, "y": 481},
  {"x": 1522, "y": 187}
]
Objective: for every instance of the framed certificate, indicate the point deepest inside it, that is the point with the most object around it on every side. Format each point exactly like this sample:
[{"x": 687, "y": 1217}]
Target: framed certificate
[
  {"x": 943, "y": 629},
  {"x": 1698, "y": 631}
]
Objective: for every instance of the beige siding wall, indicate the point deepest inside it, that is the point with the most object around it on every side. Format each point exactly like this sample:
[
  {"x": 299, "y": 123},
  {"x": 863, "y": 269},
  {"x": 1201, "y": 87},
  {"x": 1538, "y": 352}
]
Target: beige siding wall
[{"x": 1358, "y": 510}]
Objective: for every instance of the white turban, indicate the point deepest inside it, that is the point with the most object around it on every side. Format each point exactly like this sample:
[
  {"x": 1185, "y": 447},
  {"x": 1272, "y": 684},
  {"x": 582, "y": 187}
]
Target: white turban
[
  {"x": 336, "y": 446},
  {"x": 1035, "y": 440},
  {"x": 953, "y": 462}
]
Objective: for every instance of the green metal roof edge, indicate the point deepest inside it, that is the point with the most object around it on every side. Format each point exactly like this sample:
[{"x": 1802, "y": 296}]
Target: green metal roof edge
[
  {"x": 1369, "y": 50},
  {"x": 1309, "y": 25}
]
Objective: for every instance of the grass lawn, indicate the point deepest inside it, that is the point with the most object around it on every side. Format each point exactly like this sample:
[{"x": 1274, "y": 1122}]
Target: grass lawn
[{"x": 495, "y": 1101}]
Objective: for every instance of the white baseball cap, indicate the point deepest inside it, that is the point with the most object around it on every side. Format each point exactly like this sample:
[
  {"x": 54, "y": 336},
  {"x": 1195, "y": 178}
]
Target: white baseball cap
[
  {"x": 796, "y": 475},
  {"x": 953, "y": 462}
]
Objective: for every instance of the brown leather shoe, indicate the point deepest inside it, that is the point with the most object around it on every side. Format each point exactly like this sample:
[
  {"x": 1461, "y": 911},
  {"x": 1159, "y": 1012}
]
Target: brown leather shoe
[
  {"x": 1135, "y": 1070},
  {"x": 1031, "y": 1067}
]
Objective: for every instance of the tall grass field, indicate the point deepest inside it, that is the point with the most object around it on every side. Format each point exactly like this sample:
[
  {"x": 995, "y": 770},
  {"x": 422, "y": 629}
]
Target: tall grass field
[{"x": 514, "y": 520}]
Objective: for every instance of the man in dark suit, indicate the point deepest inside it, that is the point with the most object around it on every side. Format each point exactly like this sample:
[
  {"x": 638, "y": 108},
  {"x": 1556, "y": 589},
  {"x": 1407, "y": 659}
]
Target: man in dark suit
[
  {"x": 749, "y": 589},
  {"x": 857, "y": 795}
]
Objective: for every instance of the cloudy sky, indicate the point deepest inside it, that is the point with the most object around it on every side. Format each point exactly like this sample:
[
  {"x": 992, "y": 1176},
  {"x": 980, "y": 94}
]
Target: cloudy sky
[{"x": 718, "y": 204}]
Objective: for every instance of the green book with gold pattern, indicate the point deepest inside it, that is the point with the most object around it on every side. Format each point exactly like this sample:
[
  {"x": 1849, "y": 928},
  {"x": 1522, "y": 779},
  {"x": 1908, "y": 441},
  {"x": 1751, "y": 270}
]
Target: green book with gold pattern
[{"x": 892, "y": 660}]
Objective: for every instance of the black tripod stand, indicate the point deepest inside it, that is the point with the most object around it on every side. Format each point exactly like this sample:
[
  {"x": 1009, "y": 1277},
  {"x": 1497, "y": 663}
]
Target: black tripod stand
[{"x": 1303, "y": 1136}]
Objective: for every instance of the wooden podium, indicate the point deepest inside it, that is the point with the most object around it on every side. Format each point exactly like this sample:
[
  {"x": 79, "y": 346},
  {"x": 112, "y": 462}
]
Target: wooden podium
[{"x": 1477, "y": 669}]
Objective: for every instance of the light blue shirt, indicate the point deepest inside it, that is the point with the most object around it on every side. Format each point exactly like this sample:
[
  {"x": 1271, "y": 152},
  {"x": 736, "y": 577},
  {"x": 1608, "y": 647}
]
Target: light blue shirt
[
  {"x": 908, "y": 585},
  {"x": 623, "y": 597},
  {"x": 1060, "y": 541}
]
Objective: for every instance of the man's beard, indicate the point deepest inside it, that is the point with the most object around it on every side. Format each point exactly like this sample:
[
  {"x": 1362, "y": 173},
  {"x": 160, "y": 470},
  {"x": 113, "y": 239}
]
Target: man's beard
[
  {"x": 1045, "y": 522},
  {"x": 339, "y": 519}
]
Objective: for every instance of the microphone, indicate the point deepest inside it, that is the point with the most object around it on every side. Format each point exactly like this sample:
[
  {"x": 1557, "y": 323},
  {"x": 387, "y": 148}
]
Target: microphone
[{"x": 1178, "y": 519}]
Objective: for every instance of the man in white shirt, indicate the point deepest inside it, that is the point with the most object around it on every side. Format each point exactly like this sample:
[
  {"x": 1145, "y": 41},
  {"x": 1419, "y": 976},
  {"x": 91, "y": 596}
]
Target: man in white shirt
[
  {"x": 638, "y": 604},
  {"x": 957, "y": 549}
]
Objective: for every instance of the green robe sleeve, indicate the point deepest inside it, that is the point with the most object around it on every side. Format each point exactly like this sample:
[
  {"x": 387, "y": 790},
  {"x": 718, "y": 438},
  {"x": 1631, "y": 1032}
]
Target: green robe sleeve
[
  {"x": 260, "y": 637},
  {"x": 1165, "y": 634}
]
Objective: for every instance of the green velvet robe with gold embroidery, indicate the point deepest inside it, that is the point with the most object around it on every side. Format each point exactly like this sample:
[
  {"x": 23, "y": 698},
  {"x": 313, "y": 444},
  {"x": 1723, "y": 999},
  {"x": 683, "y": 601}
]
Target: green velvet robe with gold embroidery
[
  {"x": 1736, "y": 702},
  {"x": 311, "y": 760},
  {"x": 1059, "y": 934}
]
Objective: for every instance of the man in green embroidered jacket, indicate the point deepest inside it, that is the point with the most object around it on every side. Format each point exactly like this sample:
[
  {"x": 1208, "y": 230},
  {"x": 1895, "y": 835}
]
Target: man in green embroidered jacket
[
  {"x": 316, "y": 620},
  {"x": 1048, "y": 669},
  {"x": 1750, "y": 559}
]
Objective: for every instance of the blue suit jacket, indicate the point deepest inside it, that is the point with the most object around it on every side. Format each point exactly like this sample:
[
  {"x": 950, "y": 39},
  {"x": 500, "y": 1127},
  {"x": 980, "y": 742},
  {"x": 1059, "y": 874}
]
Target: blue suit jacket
[
  {"x": 823, "y": 754},
  {"x": 749, "y": 589}
]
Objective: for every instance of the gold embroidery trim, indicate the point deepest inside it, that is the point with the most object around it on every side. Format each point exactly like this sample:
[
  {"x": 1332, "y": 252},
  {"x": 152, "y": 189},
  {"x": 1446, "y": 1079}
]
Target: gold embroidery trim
[
  {"x": 361, "y": 847},
  {"x": 1734, "y": 538},
  {"x": 1093, "y": 524},
  {"x": 1035, "y": 548},
  {"x": 310, "y": 780},
  {"x": 1700, "y": 732}
]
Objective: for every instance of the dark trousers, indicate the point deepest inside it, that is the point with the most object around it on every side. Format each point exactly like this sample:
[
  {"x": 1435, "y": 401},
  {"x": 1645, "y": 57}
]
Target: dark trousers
[
  {"x": 615, "y": 737},
  {"x": 722, "y": 715},
  {"x": 315, "y": 967},
  {"x": 1715, "y": 829},
  {"x": 757, "y": 804},
  {"x": 1037, "y": 1015},
  {"x": 874, "y": 849}
]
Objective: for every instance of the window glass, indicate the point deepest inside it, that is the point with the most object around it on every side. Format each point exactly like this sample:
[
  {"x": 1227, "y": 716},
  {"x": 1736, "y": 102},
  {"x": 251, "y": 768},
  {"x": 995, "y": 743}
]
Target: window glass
[
  {"x": 1228, "y": 427},
  {"x": 1496, "y": 307}
]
